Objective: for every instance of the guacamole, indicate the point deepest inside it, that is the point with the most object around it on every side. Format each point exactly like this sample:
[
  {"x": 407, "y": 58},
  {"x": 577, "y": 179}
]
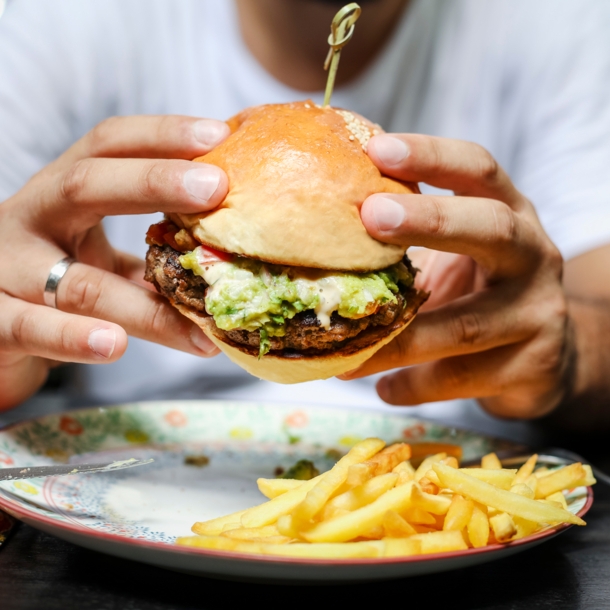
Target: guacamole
[{"x": 250, "y": 295}]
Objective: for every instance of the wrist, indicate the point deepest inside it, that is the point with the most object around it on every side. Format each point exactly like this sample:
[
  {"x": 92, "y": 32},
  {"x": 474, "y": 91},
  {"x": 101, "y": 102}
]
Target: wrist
[{"x": 586, "y": 380}]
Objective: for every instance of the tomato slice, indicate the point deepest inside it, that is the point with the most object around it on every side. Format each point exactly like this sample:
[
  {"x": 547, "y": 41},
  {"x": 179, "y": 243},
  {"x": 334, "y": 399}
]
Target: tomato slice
[{"x": 207, "y": 255}]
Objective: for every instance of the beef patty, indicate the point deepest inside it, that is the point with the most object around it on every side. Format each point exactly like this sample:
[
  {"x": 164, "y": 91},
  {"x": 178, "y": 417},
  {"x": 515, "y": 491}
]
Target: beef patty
[
  {"x": 303, "y": 331},
  {"x": 172, "y": 280}
]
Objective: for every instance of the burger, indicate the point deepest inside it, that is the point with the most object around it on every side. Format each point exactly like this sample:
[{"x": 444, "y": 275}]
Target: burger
[{"x": 283, "y": 276}]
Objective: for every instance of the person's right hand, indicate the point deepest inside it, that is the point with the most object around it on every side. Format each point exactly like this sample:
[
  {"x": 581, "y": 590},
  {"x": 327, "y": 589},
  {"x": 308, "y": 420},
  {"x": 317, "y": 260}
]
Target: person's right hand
[{"x": 126, "y": 165}]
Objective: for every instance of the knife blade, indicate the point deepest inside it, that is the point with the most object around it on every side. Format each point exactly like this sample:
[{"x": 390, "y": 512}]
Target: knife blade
[{"x": 33, "y": 472}]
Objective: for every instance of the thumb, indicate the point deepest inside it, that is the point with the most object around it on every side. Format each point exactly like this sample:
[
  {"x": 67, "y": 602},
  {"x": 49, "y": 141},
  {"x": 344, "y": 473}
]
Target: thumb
[{"x": 384, "y": 216}]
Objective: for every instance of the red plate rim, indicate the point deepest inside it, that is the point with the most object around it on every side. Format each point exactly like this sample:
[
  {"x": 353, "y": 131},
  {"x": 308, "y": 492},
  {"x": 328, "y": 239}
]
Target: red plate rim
[{"x": 20, "y": 512}]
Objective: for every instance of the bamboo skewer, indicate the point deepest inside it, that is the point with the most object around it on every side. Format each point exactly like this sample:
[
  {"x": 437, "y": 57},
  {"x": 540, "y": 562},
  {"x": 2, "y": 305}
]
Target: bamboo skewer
[{"x": 341, "y": 32}]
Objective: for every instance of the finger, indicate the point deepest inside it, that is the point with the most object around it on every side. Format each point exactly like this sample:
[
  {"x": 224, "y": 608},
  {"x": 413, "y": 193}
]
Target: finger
[
  {"x": 20, "y": 378},
  {"x": 95, "y": 250},
  {"x": 131, "y": 268},
  {"x": 509, "y": 381},
  {"x": 48, "y": 333},
  {"x": 446, "y": 276},
  {"x": 94, "y": 188},
  {"x": 463, "y": 167},
  {"x": 89, "y": 291},
  {"x": 501, "y": 241},
  {"x": 125, "y": 265},
  {"x": 142, "y": 313},
  {"x": 510, "y": 372},
  {"x": 153, "y": 137},
  {"x": 474, "y": 323}
]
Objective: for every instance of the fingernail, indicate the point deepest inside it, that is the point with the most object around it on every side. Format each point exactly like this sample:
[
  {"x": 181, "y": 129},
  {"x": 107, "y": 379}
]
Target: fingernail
[
  {"x": 390, "y": 150},
  {"x": 201, "y": 342},
  {"x": 201, "y": 183},
  {"x": 102, "y": 341},
  {"x": 210, "y": 133},
  {"x": 388, "y": 214}
]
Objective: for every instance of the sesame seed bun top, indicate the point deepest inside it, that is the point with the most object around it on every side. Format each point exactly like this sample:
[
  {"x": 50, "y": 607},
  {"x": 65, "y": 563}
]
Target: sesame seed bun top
[{"x": 298, "y": 174}]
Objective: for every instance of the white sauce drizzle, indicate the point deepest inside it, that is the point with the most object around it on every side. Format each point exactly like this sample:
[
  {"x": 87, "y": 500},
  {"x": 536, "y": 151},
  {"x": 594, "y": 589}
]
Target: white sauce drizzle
[
  {"x": 330, "y": 298},
  {"x": 215, "y": 273}
]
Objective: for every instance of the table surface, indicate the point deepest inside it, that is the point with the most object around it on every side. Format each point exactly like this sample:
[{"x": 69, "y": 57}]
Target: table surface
[{"x": 572, "y": 571}]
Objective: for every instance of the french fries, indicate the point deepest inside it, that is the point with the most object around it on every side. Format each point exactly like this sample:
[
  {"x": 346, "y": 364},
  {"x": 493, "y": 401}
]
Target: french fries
[
  {"x": 589, "y": 478},
  {"x": 532, "y": 483},
  {"x": 405, "y": 472},
  {"x": 503, "y": 527},
  {"x": 363, "y": 494},
  {"x": 270, "y": 512},
  {"x": 564, "y": 478},
  {"x": 385, "y": 461},
  {"x": 425, "y": 466},
  {"x": 394, "y": 526},
  {"x": 440, "y": 542},
  {"x": 251, "y": 533},
  {"x": 373, "y": 548},
  {"x": 374, "y": 503},
  {"x": 401, "y": 547},
  {"x": 560, "y": 498},
  {"x": 504, "y": 501},
  {"x": 429, "y": 486},
  {"x": 523, "y": 490},
  {"x": 215, "y": 526},
  {"x": 491, "y": 462},
  {"x": 526, "y": 470},
  {"x": 330, "y": 481},
  {"x": 502, "y": 479},
  {"x": 361, "y": 520},
  {"x": 272, "y": 488},
  {"x": 435, "y": 504},
  {"x": 458, "y": 515},
  {"x": 418, "y": 516},
  {"x": 358, "y": 474},
  {"x": 524, "y": 527},
  {"x": 478, "y": 528}
]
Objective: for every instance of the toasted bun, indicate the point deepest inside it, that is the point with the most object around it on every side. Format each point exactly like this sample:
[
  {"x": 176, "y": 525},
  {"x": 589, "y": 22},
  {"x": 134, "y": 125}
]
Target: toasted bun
[
  {"x": 298, "y": 174},
  {"x": 299, "y": 368}
]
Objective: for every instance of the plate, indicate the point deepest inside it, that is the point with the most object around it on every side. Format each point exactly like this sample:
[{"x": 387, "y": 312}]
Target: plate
[{"x": 208, "y": 455}]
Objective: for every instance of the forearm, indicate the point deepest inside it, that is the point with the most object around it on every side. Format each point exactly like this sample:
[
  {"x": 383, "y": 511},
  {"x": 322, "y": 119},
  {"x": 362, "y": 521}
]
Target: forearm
[{"x": 586, "y": 406}]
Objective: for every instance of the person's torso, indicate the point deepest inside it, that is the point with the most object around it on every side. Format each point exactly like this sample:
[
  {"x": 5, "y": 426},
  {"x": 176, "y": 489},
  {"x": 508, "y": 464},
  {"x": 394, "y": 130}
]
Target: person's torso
[{"x": 449, "y": 69}]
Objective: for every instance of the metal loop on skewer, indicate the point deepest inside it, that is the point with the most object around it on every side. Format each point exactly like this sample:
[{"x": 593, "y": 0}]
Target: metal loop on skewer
[{"x": 341, "y": 32}]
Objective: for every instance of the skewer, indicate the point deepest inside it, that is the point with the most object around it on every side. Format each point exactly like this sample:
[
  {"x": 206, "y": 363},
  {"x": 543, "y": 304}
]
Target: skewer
[{"x": 341, "y": 32}]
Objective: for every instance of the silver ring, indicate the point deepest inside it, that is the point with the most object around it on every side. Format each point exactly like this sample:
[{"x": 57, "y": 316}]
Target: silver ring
[{"x": 55, "y": 276}]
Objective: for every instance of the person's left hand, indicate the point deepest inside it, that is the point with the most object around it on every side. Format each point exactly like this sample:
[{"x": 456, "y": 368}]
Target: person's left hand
[{"x": 496, "y": 327}]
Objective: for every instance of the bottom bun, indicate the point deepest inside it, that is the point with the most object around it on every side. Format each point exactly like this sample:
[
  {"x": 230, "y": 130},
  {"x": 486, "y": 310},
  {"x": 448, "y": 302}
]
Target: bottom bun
[{"x": 295, "y": 367}]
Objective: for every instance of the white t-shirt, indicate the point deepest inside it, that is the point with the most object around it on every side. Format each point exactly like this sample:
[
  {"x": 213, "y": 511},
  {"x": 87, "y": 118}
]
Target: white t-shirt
[{"x": 530, "y": 81}]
